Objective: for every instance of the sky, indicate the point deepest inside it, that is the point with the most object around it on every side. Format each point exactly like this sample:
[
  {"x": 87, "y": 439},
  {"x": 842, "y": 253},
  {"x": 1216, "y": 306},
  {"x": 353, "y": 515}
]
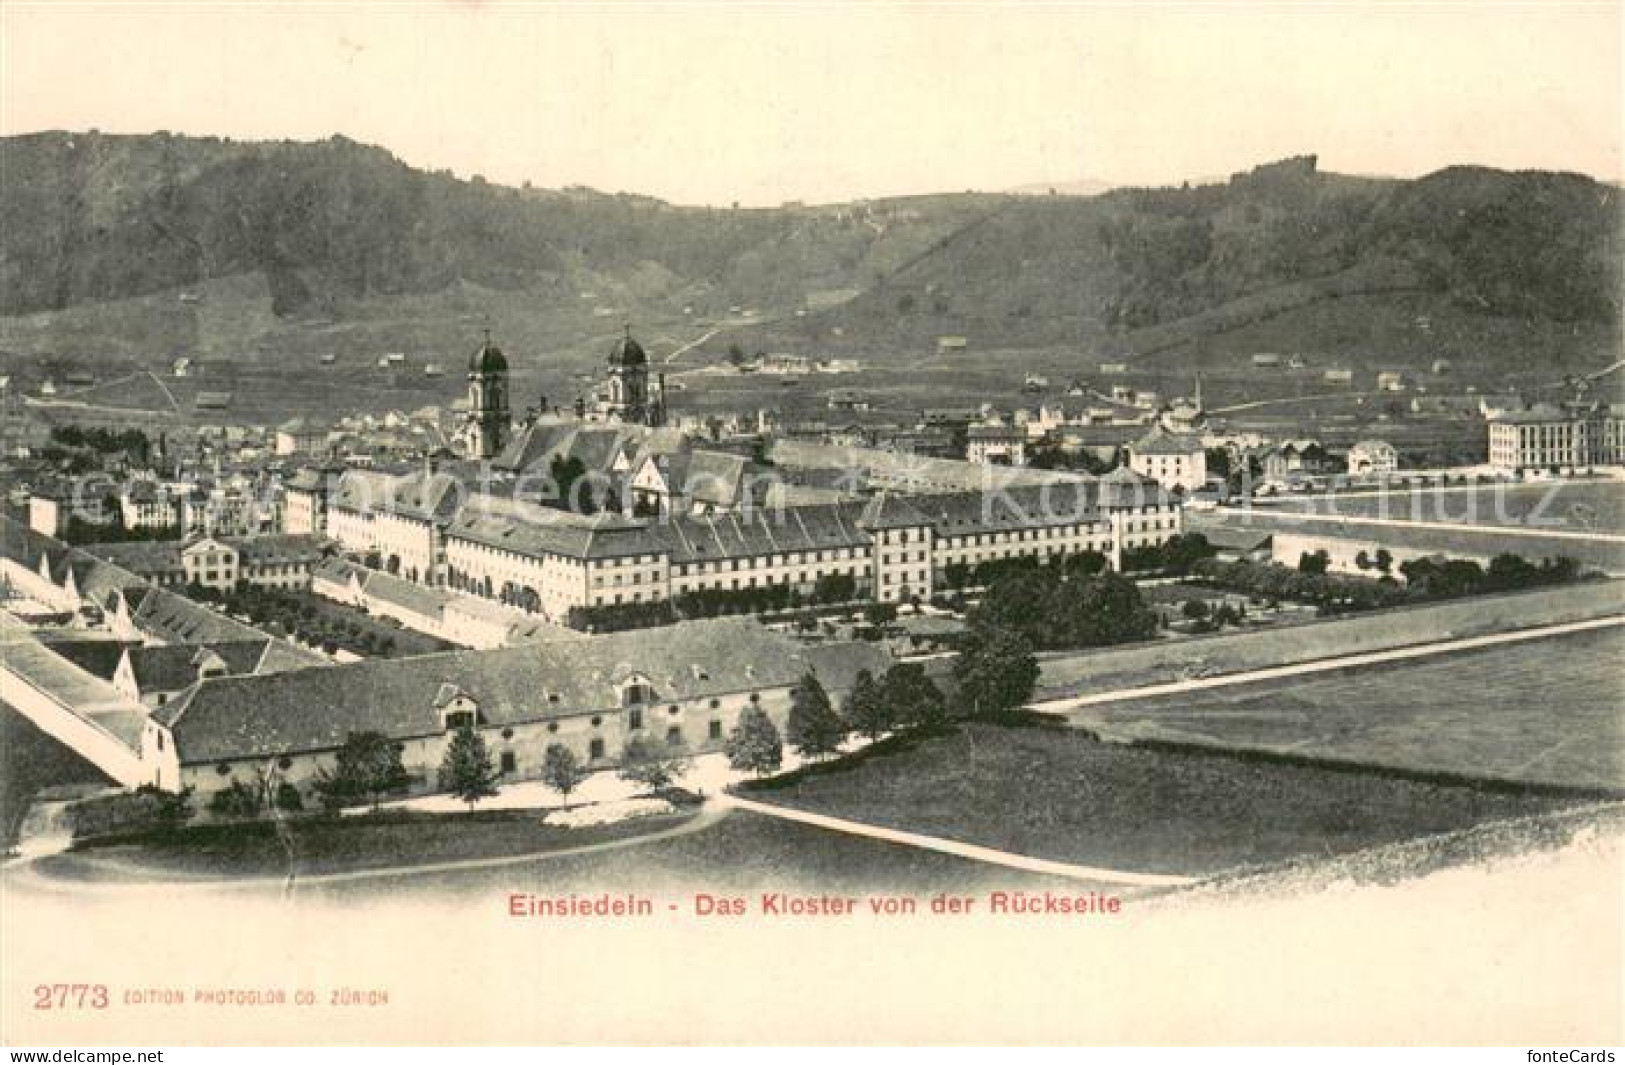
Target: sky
[{"x": 820, "y": 102}]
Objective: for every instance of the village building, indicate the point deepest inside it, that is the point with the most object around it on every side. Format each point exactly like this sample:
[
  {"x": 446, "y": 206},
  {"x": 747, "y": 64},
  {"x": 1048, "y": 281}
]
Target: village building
[
  {"x": 996, "y": 445},
  {"x": 302, "y": 436},
  {"x": 1373, "y": 458},
  {"x": 220, "y": 564},
  {"x": 1177, "y": 461},
  {"x": 305, "y": 498},
  {"x": 146, "y": 504}
]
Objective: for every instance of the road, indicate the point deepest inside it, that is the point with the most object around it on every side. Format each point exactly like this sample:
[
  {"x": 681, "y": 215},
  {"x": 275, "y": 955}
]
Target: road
[
  {"x": 971, "y": 851},
  {"x": 143, "y": 880}
]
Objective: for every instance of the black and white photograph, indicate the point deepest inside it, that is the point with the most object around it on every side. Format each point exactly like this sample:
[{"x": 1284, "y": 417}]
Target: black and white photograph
[{"x": 832, "y": 524}]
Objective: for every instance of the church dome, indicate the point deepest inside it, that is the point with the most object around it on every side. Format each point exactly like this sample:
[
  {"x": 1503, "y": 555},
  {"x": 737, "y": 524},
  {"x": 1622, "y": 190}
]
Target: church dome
[
  {"x": 628, "y": 352},
  {"x": 487, "y": 358}
]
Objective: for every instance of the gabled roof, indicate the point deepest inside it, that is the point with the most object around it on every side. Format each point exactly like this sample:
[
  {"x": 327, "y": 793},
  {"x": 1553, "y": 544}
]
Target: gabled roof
[
  {"x": 1161, "y": 442},
  {"x": 312, "y": 710},
  {"x": 174, "y": 667}
]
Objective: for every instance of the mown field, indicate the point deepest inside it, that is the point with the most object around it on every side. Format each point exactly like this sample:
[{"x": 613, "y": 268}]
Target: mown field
[
  {"x": 1548, "y": 711},
  {"x": 1053, "y": 793},
  {"x": 1568, "y": 506}
]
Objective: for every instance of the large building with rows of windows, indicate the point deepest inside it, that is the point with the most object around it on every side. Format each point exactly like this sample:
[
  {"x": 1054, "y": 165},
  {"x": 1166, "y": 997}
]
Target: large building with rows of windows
[{"x": 892, "y": 547}]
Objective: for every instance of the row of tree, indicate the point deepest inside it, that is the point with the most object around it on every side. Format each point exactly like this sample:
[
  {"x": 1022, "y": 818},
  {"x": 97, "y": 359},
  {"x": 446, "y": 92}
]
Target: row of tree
[
  {"x": 829, "y": 589},
  {"x": 1426, "y": 578},
  {"x": 903, "y": 699}
]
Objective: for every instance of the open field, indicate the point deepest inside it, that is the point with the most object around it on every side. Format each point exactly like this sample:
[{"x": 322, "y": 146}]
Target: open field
[
  {"x": 1549, "y": 711},
  {"x": 1110, "y": 669},
  {"x": 1048, "y": 793},
  {"x": 1569, "y": 506},
  {"x": 1476, "y": 540}
]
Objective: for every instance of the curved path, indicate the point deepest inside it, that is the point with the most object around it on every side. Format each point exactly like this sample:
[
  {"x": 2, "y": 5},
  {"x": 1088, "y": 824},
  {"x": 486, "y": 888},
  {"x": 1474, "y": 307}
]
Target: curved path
[
  {"x": 971, "y": 851},
  {"x": 20, "y": 876}
]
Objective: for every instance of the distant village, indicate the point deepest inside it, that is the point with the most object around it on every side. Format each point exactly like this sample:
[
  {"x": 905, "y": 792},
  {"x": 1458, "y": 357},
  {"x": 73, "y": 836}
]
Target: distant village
[{"x": 258, "y": 594}]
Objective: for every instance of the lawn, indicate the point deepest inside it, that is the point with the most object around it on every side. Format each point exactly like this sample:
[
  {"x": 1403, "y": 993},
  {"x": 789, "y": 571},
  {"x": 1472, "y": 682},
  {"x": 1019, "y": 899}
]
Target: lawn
[
  {"x": 1545, "y": 711},
  {"x": 328, "y": 845},
  {"x": 1054, "y": 793},
  {"x": 346, "y": 626}
]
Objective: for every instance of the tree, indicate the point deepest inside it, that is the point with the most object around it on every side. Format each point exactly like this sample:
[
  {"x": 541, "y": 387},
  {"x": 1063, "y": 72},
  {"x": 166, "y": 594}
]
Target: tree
[
  {"x": 865, "y": 710},
  {"x": 754, "y": 743},
  {"x": 997, "y": 671},
  {"x": 562, "y": 770},
  {"x": 814, "y": 728},
  {"x": 911, "y": 698},
  {"x": 239, "y": 800},
  {"x": 1363, "y": 560},
  {"x": 655, "y": 767},
  {"x": 466, "y": 770},
  {"x": 1195, "y": 609},
  {"x": 880, "y": 614},
  {"x": 368, "y": 767},
  {"x": 1383, "y": 560},
  {"x": 1314, "y": 563}
]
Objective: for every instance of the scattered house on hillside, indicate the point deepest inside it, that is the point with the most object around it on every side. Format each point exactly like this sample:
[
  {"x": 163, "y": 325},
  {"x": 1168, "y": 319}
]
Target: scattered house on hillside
[
  {"x": 213, "y": 401},
  {"x": 948, "y": 345},
  {"x": 848, "y": 399},
  {"x": 1114, "y": 367},
  {"x": 1391, "y": 381},
  {"x": 182, "y": 367},
  {"x": 1266, "y": 360},
  {"x": 950, "y": 415},
  {"x": 1339, "y": 376}
]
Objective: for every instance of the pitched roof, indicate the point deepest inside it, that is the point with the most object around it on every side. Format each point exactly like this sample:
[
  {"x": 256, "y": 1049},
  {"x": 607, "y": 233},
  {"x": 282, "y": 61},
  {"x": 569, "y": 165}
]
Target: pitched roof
[
  {"x": 311, "y": 710},
  {"x": 174, "y": 667},
  {"x": 1161, "y": 442}
]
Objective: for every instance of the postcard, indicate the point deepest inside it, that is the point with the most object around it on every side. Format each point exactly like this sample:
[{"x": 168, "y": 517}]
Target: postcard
[{"x": 811, "y": 524}]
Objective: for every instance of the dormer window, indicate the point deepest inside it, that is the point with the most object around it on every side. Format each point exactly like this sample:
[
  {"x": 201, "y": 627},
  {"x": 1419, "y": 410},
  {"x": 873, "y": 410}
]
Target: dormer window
[{"x": 458, "y": 709}]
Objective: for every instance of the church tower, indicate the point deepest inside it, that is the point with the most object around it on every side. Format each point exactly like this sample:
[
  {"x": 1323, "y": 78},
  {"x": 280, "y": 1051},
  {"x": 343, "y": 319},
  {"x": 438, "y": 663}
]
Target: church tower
[
  {"x": 489, "y": 422},
  {"x": 629, "y": 398}
]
